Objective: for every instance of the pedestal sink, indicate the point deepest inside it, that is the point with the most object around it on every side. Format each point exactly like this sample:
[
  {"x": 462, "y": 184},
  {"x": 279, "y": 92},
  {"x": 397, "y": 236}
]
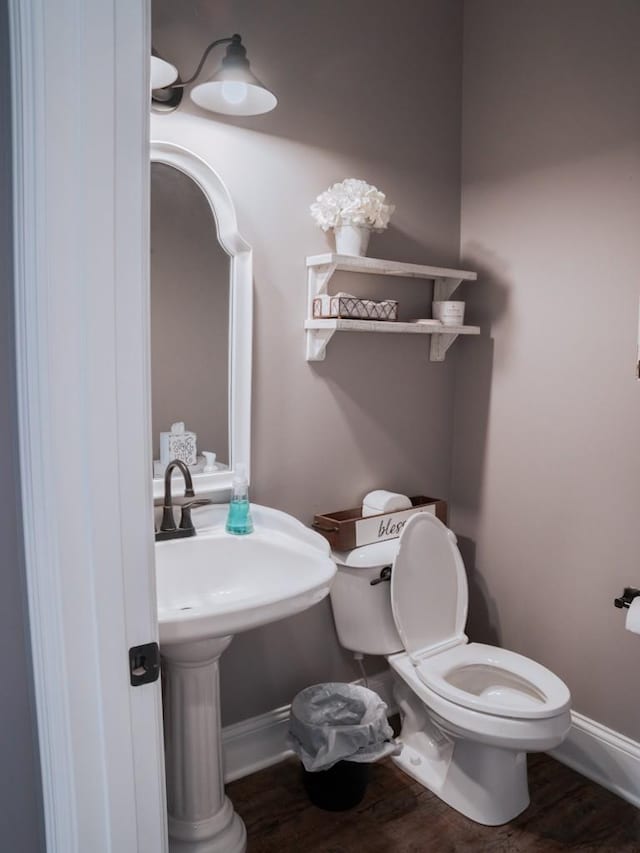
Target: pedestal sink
[{"x": 211, "y": 587}]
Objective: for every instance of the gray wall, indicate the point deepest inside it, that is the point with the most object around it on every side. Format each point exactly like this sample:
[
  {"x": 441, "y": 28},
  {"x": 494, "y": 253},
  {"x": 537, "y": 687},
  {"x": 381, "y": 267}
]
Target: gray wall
[
  {"x": 546, "y": 466},
  {"x": 367, "y": 90},
  {"x": 21, "y": 816}
]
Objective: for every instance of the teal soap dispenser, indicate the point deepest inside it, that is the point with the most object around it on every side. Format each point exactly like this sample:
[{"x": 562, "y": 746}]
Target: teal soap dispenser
[{"x": 239, "y": 518}]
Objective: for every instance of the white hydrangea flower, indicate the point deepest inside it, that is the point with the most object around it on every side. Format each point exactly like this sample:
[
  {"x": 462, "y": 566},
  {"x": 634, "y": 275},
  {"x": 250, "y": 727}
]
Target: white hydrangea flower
[{"x": 352, "y": 202}]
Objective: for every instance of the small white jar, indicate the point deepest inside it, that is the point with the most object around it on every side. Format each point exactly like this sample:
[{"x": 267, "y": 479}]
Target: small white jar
[{"x": 449, "y": 313}]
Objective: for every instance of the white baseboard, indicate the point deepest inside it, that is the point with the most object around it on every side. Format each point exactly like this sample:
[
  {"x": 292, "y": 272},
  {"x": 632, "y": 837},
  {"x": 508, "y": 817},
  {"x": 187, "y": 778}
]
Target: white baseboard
[
  {"x": 259, "y": 742},
  {"x": 254, "y": 744},
  {"x": 382, "y": 684},
  {"x": 603, "y": 755}
]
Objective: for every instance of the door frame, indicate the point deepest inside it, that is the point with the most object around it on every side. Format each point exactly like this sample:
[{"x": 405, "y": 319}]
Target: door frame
[{"x": 80, "y": 125}]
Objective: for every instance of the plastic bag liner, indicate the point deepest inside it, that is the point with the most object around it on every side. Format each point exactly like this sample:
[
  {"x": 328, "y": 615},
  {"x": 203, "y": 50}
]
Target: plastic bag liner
[{"x": 335, "y": 722}]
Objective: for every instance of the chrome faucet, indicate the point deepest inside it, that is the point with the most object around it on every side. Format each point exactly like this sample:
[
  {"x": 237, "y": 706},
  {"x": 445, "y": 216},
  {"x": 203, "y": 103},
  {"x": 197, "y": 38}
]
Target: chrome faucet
[{"x": 168, "y": 529}]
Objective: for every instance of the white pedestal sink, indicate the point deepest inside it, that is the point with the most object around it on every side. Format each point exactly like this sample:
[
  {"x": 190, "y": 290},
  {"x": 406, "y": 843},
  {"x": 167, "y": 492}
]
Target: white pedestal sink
[{"x": 210, "y": 587}]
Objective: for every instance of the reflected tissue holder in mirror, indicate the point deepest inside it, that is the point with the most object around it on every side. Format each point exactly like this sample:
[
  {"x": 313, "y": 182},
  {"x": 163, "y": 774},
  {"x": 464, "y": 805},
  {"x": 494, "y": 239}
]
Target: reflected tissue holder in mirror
[{"x": 215, "y": 476}]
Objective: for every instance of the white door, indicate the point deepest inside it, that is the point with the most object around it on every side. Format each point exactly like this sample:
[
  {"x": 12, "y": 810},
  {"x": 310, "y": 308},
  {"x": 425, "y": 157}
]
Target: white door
[{"x": 80, "y": 94}]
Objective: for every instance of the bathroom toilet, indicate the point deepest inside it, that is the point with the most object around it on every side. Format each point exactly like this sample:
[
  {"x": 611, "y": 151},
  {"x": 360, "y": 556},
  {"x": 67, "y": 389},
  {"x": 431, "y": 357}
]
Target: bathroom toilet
[{"x": 470, "y": 712}]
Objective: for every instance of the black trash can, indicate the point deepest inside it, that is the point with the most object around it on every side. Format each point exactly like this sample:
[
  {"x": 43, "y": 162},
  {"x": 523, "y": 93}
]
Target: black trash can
[
  {"x": 339, "y": 788},
  {"x": 337, "y": 730}
]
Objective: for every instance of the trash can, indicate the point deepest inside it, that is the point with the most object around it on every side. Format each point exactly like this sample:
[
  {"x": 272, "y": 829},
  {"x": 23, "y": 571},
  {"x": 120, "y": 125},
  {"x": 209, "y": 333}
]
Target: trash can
[
  {"x": 339, "y": 788},
  {"x": 337, "y": 730}
]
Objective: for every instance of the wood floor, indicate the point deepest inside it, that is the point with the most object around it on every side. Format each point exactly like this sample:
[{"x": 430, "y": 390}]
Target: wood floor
[{"x": 397, "y": 815}]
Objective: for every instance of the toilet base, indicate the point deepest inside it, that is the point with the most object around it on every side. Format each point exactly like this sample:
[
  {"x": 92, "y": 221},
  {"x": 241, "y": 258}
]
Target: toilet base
[{"x": 485, "y": 783}]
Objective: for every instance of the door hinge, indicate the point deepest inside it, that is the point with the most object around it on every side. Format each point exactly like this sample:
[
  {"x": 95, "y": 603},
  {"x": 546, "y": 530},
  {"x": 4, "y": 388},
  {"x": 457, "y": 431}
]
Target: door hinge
[{"x": 144, "y": 664}]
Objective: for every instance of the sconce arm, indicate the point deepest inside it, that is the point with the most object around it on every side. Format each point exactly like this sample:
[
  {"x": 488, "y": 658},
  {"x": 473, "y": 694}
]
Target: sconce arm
[{"x": 182, "y": 83}]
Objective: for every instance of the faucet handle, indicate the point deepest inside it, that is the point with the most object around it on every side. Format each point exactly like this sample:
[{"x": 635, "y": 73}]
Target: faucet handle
[{"x": 185, "y": 516}]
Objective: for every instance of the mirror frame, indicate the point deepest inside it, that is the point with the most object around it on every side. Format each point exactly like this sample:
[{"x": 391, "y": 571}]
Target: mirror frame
[{"x": 240, "y": 314}]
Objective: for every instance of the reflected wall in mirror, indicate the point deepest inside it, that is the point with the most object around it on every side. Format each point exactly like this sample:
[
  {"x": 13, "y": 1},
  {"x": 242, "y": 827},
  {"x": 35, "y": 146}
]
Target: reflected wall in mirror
[
  {"x": 189, "y": 315},
  {"x": 201, "y": 316}
]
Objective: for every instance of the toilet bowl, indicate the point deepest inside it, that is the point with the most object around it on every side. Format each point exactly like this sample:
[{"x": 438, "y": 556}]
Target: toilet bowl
[{"x": 470, "y": 712}]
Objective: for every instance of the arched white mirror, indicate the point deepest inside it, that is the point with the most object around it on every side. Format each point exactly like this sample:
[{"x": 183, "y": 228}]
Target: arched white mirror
[{"x": 201, "y": 319}]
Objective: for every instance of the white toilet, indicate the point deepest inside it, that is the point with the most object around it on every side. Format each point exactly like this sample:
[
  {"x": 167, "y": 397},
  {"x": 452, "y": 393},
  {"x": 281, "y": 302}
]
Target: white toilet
[{"x": 470, "y": 712}]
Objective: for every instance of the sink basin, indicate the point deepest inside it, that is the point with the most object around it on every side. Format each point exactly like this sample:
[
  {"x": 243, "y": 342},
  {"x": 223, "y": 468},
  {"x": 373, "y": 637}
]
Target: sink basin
[{"x": 216, "y": 584}]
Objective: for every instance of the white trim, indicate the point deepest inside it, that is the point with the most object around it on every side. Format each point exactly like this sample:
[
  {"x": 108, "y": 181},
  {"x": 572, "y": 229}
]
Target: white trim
[
  {"x": 240, "y": 316},
  {"x": 80, "y": 163},
  {"x": 259, "y": 742},
  {"x": 45, "y": 599},
  {"x": 256, "y": 743},
  {"x": 603, "y": 755},
  {"x": 382, "y": 684}
]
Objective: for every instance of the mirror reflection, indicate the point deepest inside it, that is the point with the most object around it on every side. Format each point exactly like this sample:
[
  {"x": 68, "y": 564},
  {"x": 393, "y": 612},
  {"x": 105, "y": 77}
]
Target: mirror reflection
[{"x": 190, "y": 317}]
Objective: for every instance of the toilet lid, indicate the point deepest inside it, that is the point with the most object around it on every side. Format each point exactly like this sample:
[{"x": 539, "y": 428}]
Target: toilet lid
[{"x": 428, "y": 587}]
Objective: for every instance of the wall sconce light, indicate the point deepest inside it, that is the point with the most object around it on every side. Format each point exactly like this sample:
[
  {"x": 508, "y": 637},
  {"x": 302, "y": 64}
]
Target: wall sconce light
[
  {"x": 163, "y": 73},
  {"x": 232, "y": 89}
]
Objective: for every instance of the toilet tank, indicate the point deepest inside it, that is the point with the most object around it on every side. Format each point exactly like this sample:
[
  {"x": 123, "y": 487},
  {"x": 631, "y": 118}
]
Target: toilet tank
[{"x": 362, "y": 612}]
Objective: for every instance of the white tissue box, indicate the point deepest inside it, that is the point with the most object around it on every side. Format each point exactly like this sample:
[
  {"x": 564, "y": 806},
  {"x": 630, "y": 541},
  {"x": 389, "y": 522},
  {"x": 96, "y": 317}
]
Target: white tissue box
[{"x": 180, "y": 446}]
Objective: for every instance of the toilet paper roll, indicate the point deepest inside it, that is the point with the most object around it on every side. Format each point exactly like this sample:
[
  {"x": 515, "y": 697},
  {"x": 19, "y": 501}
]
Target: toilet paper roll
[
  {"x": 632, "y": 622},
  {"x": 380, "y": 501}
]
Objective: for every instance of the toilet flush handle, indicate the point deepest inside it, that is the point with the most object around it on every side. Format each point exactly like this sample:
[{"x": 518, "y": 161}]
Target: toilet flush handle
[{"x": 385, "y": 575}]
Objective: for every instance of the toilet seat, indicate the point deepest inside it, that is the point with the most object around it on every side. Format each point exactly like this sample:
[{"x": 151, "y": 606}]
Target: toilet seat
[
  {"x": 494, "y": 681},
  {"x": 535, "y": 735}
]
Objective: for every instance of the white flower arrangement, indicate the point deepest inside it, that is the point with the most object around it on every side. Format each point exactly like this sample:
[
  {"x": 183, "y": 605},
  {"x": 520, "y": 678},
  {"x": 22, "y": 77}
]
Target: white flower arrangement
[{"x": 352, "y": 202}]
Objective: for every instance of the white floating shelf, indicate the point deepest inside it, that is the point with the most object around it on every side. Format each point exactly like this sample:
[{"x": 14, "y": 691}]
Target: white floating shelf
[
  {"x": 320, "y": 268},
  {"x": 321, "y": 332},
  {"x": 380, "y": 266}
]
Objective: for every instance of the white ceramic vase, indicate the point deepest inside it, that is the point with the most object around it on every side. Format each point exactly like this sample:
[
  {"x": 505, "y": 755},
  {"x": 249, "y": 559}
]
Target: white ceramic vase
[{"x": 352, "y": 239}]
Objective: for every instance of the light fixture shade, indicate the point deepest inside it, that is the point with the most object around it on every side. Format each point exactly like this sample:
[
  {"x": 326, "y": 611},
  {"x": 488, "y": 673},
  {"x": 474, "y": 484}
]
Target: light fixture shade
[
  {"x": 232, "y": 97},
  {"x": 233, "y": 89},
  {"x": 163, "y": 73}
]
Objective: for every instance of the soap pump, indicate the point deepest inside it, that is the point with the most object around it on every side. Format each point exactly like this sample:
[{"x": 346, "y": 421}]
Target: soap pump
[{"x": 239, "y": 518}]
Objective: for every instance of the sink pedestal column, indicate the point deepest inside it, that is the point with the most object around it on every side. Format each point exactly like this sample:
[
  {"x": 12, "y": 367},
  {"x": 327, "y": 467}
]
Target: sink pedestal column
[{"x": 201, "y": 818}]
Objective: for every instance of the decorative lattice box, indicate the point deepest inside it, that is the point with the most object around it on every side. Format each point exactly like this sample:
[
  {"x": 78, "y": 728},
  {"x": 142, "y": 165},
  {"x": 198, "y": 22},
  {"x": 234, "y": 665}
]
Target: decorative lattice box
[{"x": 345, "y": 307}]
